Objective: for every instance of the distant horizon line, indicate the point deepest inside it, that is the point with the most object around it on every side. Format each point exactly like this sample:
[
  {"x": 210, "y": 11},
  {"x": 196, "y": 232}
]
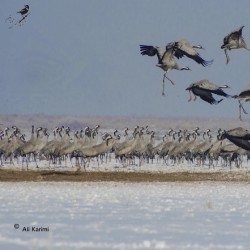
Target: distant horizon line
[{"x": 122, "y": 116}]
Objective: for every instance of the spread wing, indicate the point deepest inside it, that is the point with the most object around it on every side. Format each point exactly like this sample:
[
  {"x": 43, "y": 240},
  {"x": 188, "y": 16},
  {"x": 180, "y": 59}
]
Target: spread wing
[
  {"x": 211, "y": 87},
  {"x": 235, "y": 35},
  {"x": 184, "y": 48},
  {"x": 152, "y": 51},
  {"x": 239, "y": 133},
  {"x": 240, "y": 142},
  {"x": 205, "y": 95},
  {"x": 245, "y": 92}
]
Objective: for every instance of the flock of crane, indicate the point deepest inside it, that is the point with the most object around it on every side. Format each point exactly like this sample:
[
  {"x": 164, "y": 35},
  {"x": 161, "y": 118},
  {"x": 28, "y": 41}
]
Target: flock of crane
[
  {"x": 204, "y": 88},
  {"x": 136, "y": 147}
]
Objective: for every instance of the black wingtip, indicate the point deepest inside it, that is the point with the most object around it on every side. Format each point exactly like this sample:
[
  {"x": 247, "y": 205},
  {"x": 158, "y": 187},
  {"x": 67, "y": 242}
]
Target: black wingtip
[
  {"x": 207, "y": 63},
  {"x": 233, "y": 96},
  {"x": 144, "y": 46},
  {"x": 219, "y": 101},
  {"x": 215, "y": 102},
  {"x": 143, "y": 49}
]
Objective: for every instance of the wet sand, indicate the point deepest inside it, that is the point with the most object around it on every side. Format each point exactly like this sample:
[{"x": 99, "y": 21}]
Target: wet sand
[{"x": 121, "y": 176}]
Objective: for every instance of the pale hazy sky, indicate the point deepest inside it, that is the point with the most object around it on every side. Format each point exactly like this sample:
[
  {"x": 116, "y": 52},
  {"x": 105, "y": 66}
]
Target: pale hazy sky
[{"x": 77, "y": 57}]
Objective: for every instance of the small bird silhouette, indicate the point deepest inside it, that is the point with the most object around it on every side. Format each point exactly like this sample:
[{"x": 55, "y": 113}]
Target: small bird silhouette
[{"x": 24, "y": 11}]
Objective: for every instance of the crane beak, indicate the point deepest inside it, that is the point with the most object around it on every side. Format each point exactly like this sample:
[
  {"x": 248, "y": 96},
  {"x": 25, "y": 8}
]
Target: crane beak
[{"x": 198, "y": 47}]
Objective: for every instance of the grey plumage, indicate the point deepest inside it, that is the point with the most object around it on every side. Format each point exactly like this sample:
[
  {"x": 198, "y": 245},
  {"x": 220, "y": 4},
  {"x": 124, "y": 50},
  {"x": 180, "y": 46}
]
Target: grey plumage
[
  {"x": 239, "y": 136},
  {"x": 24, "y": 11},
  {"x": 239, "y": 132},
  {"x": 234, "y": 40},
  {"x": 244, "y": 96},
  {"x": 204, "y": 89},
  {"x": 184, "y": 48},
  {"x": 166, "y": 59}
]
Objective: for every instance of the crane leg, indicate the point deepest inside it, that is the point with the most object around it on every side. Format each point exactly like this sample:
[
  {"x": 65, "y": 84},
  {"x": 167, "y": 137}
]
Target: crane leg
[
  {"x": 190, "y": 96},
  {"x": 227, "y": 56},
  {"x": 170, "y": 80},
  {"x": 163, "y": 82},
  {"x": 240, "y": 112},
  {"x": 241, "y": 108},
  {"x": 163, "y": 85},
  {"x": 245, "y": 112}
]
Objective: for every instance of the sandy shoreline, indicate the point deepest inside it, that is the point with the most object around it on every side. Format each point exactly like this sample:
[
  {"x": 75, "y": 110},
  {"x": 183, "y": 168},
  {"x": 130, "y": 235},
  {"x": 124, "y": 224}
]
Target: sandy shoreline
[{"x": 122, "y": 176}]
